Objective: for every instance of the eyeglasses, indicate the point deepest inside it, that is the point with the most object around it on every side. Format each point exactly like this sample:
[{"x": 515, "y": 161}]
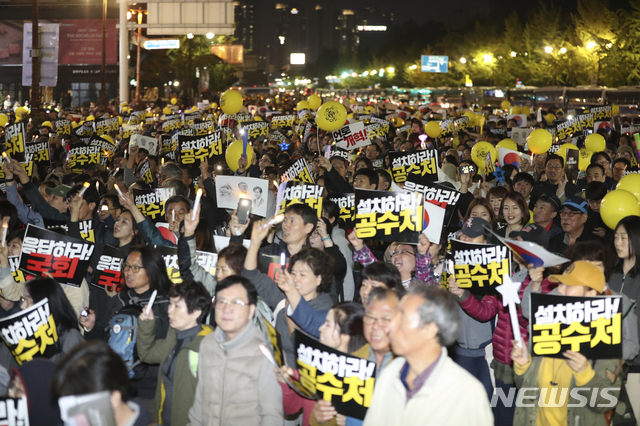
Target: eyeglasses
[
  {"x": 569, "y": 214},
  {"x": 369, "y": 320},
  {"x": 134, "y": 268},
  {"x": 221, "y": 303},
  {"x": 402, "y": 252},
  {"x": 603, "y": 161},
  {"x": 549, "y": 166}
]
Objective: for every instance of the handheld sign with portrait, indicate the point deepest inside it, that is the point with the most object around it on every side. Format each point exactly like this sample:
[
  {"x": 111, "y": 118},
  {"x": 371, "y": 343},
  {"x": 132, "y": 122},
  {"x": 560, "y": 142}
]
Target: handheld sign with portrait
[
  {"x": 146, "y": 142},
  {"x": 65, "y": 258},
  {"x": 389, "y": 215},
  {"x": 589, "y": 325},
  {"x": 230, "y": 189},
  {"x": 31, "y": 333},
  {"x": 345, "y": 380},
  {"x": 479, "y": 268}
]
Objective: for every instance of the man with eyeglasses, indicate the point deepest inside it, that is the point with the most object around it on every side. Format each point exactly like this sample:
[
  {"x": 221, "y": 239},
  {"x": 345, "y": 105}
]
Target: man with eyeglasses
[
  {"x": 573, "y": 216},
  {"x": 625, "y": 151},
  {"x": 382, "y": 306},
  {"x": 620, "y": 165},
  {"x": 236, "y": 383},
  {"x": 556, "y": 183}
]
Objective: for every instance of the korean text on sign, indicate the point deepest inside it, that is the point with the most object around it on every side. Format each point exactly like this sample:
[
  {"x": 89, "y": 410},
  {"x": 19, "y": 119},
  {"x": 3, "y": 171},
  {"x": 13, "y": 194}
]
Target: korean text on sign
[
  {"x": 422, "y": 163},
  {"x": 479, "y": 268},
  {"x": 388, "y": 216}
]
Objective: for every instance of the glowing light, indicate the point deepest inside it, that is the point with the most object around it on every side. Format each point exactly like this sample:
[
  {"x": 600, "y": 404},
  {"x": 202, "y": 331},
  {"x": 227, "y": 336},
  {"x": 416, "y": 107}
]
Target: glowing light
[
  {"x": 591, "y": 45},
  {"x": 463, "y": 60},
  {"x": 391, "y": 69},
  {"x": 190, "y": 36},
  {"x": 210, "y": 35},
  {"x": 548, "y": 49},
  {"x": 487, "y": 58},
  {"x": 513, "y": 54},
  {"x": 563, "y": 50}
]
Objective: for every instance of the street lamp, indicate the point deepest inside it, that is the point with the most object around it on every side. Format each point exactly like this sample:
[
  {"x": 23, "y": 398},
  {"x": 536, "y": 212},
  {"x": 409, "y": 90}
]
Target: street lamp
[
  {"x": 210, "y": 35},
  {"x": 513, "y": 54},
  {"x": 190, "y": 36},
  {"x": 548, "y": 49},
  {"x": 463, "y": 60},
  {"x": 487, "y": 58},
  {"x": 391, "y": 70},
  {"x": 140, "y": 13},
  {"x": 591, "y": 45},
  {"x": 563, "y": 50}
]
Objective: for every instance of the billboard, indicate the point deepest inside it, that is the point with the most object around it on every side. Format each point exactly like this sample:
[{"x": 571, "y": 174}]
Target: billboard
[{"x": 432, "y": 63}]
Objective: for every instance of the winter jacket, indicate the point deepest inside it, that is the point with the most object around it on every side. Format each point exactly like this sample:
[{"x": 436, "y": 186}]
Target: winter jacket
[
  {"x": 340, "y": 240},
  {"x": 236, "y": 383},
  {"x": 629, "y": 286},
  {"x": 438, "y": 402},
  {"x": 526, "y": 414},
  {"x": 156, "y": 351}
]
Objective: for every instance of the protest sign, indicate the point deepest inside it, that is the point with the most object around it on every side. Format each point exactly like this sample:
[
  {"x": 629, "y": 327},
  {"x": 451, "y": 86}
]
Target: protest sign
[
  {"x": 31, "y": 333},
  {"x": 92, "y": 409},
  {"x": 65, "y": 258},
  {"x": 587, "y": 121},
  {"x": 347, "y": 205},
  {"x": 127, "y": 130},
  {"x": 232, "y": 121},
  {"x": 256, "y": 130},
  {"x": 299, "y": 170},
  {"x": 84, "y": 131},
  {"x": 589, "y": 325},
  {"x": 270, "y": 264},
  {"x": 169, "y": 125},
  {"x": 292, "y": 192},
  {"x": 145, "y": 172},
  {"x": 389, "y": 215},
  {"x": 106, "y": 125},
  {"x": 568, "y": 127},
  {"x": 14, "y": 411},
  {"x": 479, "y": 268},
  {"x": 38, "y": 152},
  {"x": 18, "y": 275},
  {"x": 334, "y": 151},
  {"x": 284, "y": 122},
  {"x": 571, "y": 165},
  {"x": 230, "y": 189},
  {"x": 205, "y": 259},
  {"x": 151, "y": 202},
  {"x": 83, "y": 157},
  {"x": 203, "y": 128},
  {"x": 14, "y": 137},
  {"x": 423, "y": 164},
  {"x": 108, "y": 273},
  {"x": 351, "y": 136},
  {"x": 194, "y": 148},
  {"x": 602, "y": 112},
  {"x": 63, "y": 127},
  {"x": 144, "y": 142},
  {"x": 345, "y": 380}
]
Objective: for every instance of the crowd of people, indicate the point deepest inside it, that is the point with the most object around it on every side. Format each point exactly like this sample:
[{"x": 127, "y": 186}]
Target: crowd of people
[{"x": 443, "y": 354}]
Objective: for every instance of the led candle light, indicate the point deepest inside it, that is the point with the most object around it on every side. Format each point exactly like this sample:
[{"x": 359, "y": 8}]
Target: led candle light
[
  {"x": 422, "y": 138},
  {"x": 98, "y": 186},
  {"x": 274, "y": 221},
  {"x": 5, "y": 227},
  {"x": 196, "y": 203},
  {"x": 115, "y": 185},
  {"x": 85, "y": 186},
  {"x": 282, "y": 260},
  {"x": 151, "y": 300}
]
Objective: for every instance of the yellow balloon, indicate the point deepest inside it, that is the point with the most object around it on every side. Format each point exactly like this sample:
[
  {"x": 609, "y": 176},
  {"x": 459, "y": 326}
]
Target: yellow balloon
[
  {"x": 525, "y": 110},
  {"x": 174, "y": 101},
  {"x": 231, "y": 102},
  {"x": 508, "y": 144},
  {"x": 516, "y": 110},
  {"x": 585, "y": 159},
  {"x": 617, "y": 205},
  {"x": 369, "y": 109},
  {"x": 631, "y": 183},
  {"x": 433, "y": 129},
  {"x": 166, "y": 111},
  {"x": 331, "y": 116},
  {"x": 505, "y": 105},
  {"x": 562, "y": 151},
  {"x": 90, "y": 118},
  {"x": 479, "y": 154},
  {"x": 3, "y": 120},
  {"x": 302, "y": 105},
  {"x": 560, "y": 113},
  {"x": 194, "y": 108},
  {"x": 615, "y": 109},
  {"x": 214, "y": 105},
  {"x": 480, "y": 119},
  {"x": 472, "y": 117},
  {"x": 549, "y": 118},
  {"x": 257, "y": 118},
  {"x": 234, "y": 152},
  {"x": 352, "y": 101},
  {"x": 398, "y": 122},
  {"x": 595, "y": 142},
  {"x": 314, "y": 102},
  {"x": 539, "y": 141}
]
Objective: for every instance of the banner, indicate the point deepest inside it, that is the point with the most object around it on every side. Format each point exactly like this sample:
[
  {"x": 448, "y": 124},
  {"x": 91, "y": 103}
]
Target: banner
[
  {"x": 83, "y": 157},
  {"x": 194, "y": 148},
  {"x": 479, "y": 268},
  {"x": 65, "y": 258},
  {"x": 423, "y": 164},
  {"x": 293, "y": 192},
  {"x": 151, "y": 202},
  {"x": 230, "y": 189},
  {"x": 170, "y": 255},
  {"x": 345, "y": 380},
  {"x": 347, "y": 205},
  {"x": 31, "y": 333},
  {"x": 63, "y": 127},
  {"x": 351, "y": 136},
  {"x": 388, "y": 215},
  {"x": 589, "y": 325},
  {"x": 602, "y": 113},
  {"x": 127, "y": 130},
  {"x": 299, "y": 170},
  {"x": 14, "y": 137},
  {"x": 106, "y": 125},
  {"x": 18, "y": 275},
  {"x": 379, "y": 128},
  {"x": 14, "y": 411},
  {"x": 144, "y": 142},
  {"x": 145, "y": 172},
  {"x": 84, "y": 131},
  {"x": 256, "y": 130},
  {"x": 108, "y": 273},
  {"x": 38, "y": 152}
]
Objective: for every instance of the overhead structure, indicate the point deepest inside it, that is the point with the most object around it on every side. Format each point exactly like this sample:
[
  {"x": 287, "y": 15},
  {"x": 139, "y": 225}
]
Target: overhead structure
[{"x": 175, "y": 17}]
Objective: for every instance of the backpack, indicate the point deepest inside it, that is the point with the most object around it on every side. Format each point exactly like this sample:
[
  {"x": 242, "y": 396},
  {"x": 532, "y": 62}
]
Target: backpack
[{"x": 123, "y": 335}]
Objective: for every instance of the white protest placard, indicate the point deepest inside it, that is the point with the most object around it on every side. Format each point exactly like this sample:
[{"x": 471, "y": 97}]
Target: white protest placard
[
  {"x": 230, "y": 189},
  {"x": 351, "y": 136},
  {"x": 146, "y": 142},
  {"x": 221, "y": 242},
  {"x": 520, "y": 135}
]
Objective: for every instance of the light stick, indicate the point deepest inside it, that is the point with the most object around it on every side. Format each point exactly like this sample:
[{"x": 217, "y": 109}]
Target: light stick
[
  {"x": 5, "y": 227},
  {"x": 196, "y": 203},
  {"x": 115, "y": 185},
  {"x": 85, "y": 186},
  {"x": 274, "y": 221},
  {"x": 153, "y": 299},
  {"x": 282, "y": 260}
]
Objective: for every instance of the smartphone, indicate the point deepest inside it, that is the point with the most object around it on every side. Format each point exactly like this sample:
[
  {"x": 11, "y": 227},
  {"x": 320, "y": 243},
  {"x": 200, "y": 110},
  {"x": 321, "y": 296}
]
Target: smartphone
[{"x": 244, "y": 207}]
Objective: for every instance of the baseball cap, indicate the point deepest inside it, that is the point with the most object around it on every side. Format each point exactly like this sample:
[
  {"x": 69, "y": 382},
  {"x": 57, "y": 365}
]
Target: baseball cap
[
  {"x": 60, "y": 191},
  {"x": 625, "y": 148},
  {"x": 474, "y": 227},
  {"x": 576, "y": 204},
  {"x": 534, "y": 234},
  {"x": 581, "y": 273},
  {"x": 551, "y": 199}
]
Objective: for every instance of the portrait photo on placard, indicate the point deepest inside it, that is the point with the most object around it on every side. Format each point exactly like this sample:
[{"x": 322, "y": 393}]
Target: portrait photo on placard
[{"x": 230, "y": 189}]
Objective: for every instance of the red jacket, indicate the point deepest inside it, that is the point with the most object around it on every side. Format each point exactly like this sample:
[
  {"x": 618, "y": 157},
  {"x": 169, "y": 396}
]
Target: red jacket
[{"x": 489, "y": 306}]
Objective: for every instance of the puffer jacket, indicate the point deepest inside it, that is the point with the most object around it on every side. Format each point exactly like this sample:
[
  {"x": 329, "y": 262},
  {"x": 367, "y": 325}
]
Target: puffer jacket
[
  {"x": 487, "y": 308},
  {"x": 236, "y": 383}
]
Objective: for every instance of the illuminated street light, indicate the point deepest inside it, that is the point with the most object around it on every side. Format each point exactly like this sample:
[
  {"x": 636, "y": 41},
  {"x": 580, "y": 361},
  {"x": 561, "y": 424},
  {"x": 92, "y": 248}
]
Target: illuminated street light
[
  {"x": 513, "y": 54},
  {"x": 190, "y": 36},
  {"x": 391, "y": 70},
  {"x": 563, "y": 50},
  {"x": 548, "y": 49},
  {"x": 374, "y": 72},
  {"x": 463, "y": 60},
  {"x": 609, "y": 45},
  {"x": 487, "y": 58},
  {"x": 344, "y": 75},
  {"x": 413, "y": 67},
  {"x": 176, "y": 83},
  {"x": 365, "y": 74},
  {"x": 591, "y": 45},
  {"x": 381, "y": 71},
  {"x": 353, "y": 74},
  {"x": 210, "y": 35}
]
